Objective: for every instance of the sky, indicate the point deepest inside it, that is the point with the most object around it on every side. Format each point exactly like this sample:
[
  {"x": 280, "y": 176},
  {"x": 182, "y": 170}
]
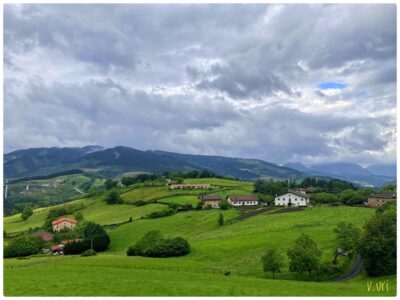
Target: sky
[{"x": 283, "y": 83}]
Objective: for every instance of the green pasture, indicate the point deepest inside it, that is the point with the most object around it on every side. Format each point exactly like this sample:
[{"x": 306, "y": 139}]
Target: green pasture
[
  {"x": 238, "y": 245},
  {"x": 112, "y": 275}
]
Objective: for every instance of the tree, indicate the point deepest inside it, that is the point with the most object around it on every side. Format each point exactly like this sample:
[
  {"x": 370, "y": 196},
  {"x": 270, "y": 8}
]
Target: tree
[
  {"x": 78, "y": 216},
  {"x": 26, "y": 213},
  {"x": 304, "y": 255},
  {"x": 23, "y": 246},
  {"x": 388, "y": 188},
  {"x": 110, "y": 184},
  {"x": 378, "y": 243},
  {"x": 221, "y": 220},
  {"x": 113, "y": 198},
  {"x": 94, "y": 232},
  {"x": 347, "y": 236},
  {"x": 224, "y": 205},
  {"x": 350, "y": 197},
  {"x": 128, "y": 180},
  {"x": 272, "y": 261},
  {"x": 323, "y": 198}
]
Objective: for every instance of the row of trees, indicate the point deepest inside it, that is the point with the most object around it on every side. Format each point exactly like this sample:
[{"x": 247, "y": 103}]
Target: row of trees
[
  {"x": 176, "y": 176},
  {"x": 278, "y": 187}
]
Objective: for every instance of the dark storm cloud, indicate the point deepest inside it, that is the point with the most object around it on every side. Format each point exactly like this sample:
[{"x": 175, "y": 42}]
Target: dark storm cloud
[{"x": 237, "y": 80}]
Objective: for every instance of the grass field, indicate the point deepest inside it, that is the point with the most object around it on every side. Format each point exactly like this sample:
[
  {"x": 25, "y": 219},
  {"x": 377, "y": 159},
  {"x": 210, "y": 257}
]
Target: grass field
[
  {"x": 112, "y": 275},
  {"x": 236, "y": 247}
]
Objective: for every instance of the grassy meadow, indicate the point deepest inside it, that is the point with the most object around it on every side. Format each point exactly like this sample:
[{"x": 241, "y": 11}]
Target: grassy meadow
[{"x": 236, "y": 247}]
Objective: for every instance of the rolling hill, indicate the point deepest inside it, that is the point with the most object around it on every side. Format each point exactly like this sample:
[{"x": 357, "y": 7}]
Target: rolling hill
[{"x": 236, "y": 247}]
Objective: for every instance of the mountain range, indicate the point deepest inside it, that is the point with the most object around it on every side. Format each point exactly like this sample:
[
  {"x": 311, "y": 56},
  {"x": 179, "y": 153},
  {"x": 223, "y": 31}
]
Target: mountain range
[
  {"x": 113, "y": 162},
  {"x": 375, "y": 175}
]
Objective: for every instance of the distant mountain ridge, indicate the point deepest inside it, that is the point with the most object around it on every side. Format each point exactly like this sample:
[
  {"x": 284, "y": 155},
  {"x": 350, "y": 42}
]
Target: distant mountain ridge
[
  {"x": 375, "y": 175},
  {"x": 113, "y": 162}
]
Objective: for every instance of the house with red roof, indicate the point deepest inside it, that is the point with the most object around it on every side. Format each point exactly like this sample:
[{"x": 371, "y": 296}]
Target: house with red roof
[{"x": 63, "y": 223}]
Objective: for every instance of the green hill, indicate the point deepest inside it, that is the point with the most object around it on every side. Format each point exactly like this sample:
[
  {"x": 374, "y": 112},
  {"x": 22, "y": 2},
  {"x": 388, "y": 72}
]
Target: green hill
[{"x": 236, "y": 247}]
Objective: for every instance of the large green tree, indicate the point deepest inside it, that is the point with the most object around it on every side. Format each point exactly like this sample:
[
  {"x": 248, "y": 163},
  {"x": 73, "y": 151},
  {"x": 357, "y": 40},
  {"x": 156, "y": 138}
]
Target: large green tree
[
  {"x": 272, "y": 261},
  {"x": 304, "y": 255},
  {"x": 378, "y": 243},
  {"x": 347, "y": 235},
  {"x": 26, "y": 213}
]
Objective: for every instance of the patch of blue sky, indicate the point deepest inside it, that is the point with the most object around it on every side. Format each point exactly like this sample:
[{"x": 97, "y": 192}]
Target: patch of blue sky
[{"x": 332, "y": 85}]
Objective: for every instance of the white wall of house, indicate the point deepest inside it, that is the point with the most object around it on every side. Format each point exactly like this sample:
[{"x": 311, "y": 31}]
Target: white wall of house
[
  {"x": 241, "y": 203},
  {"x": 283, "y": 200}
]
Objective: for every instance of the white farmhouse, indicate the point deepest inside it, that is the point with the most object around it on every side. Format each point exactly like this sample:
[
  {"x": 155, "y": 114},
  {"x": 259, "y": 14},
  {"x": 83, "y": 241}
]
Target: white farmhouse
[
  {"x": 247, "y": 200},
  {"x": 292, "y": 199}
]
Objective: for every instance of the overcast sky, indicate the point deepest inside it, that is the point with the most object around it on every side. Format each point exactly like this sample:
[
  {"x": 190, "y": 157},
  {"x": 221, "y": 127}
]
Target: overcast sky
[{"x": 282, "y": 83}]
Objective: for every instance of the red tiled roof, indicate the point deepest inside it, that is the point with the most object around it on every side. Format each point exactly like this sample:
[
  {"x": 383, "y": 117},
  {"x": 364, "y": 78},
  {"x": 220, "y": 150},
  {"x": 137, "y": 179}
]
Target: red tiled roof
[
  {"x": 188, "y": 185},
  {"x": 44, "y": 235},
  {"x": 57, "y": 247},
  {"x": 63, "y": 219},
  {"x": 384, "y": 195},
  {"x": 243, "y": 198},
  {"x": 64, "y": 242},
  {"x": 299, "y": 194},
  {"x": 210, "y": 198}
]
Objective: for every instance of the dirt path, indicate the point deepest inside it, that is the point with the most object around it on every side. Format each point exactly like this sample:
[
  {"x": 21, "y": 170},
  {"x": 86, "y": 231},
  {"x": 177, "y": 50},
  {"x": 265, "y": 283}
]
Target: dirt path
[
  {"x": 78, "y": 190},
  {"x": 354, "y": 270},
  {"x": 253, "y": 213}
]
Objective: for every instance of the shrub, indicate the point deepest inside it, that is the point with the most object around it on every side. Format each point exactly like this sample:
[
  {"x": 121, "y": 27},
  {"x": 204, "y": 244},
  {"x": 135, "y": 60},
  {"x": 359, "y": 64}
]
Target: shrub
[
  {"x": 91, "y": 231},
  {"x": 76, "y": 247},
  {"x": 154, "y": 245},
  {"x": 113, "y": 198},
  {"x": 221, "y": 220},
  {"x": 23, "y": 246},
  {"x": 26, "y": 213},
  {"x": 224, "y": 205},
  {"x": 159, "y": 214},
  {"x": 78, "y": 216},
  {"x": 89, "y": 253}
]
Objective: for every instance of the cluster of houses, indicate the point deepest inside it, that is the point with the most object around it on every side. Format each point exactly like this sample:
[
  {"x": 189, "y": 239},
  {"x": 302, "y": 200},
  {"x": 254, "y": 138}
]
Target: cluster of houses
[
  {"x": 58, "y": 225},
  {"x": 298, "y": 197},
  {"x": 293, "y": 198}
]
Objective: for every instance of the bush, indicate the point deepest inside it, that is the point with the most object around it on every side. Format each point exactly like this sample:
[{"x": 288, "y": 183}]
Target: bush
[
  {"x": 154, "y": 245},
  {"x": 76, "y": 247},
  {"x": 23, "y": 246},
  {"x": 159, "y": 214},
  {"x": 26, "y": 213},
  {"x": 113, "y": 198},
  {"x": 89, "y": 253},
  {"x": 224, "y": 205},
  {"x": 94, "y": 231}
]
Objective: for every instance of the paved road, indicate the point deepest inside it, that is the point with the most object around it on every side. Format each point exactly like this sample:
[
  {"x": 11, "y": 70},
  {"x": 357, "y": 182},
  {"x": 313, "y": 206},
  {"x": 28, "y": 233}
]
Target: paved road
[{"x": 354, "y": 270}]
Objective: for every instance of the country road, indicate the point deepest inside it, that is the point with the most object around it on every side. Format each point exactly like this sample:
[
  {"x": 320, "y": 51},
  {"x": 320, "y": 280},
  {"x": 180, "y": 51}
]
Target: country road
[{"x": 354, "y": 270}]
